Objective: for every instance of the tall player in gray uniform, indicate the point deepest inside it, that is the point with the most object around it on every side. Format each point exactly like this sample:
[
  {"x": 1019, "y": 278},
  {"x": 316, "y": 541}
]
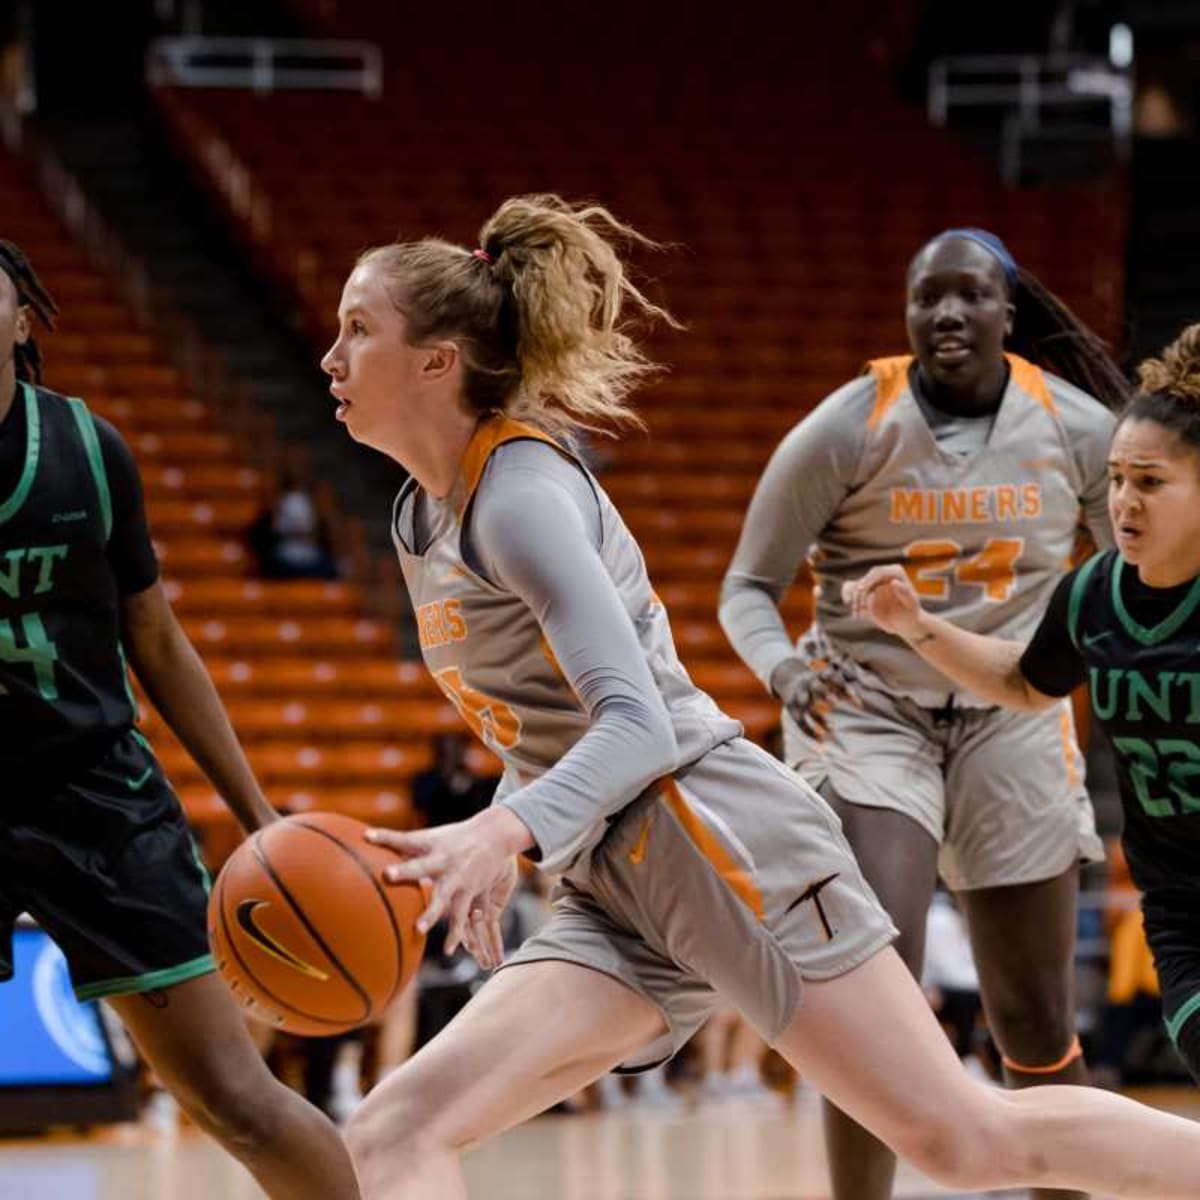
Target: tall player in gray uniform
[
  {"x": 974, "y": 468},
  {"x": 695, "y": 864}
]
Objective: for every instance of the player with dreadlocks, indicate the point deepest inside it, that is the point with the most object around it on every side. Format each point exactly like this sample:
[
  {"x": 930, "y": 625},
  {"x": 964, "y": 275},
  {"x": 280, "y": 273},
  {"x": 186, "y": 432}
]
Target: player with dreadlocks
[
  {"x": 972, "y": 462},
  {"x": 31, "y": 297},
  {"x": 93, "y": 841}
]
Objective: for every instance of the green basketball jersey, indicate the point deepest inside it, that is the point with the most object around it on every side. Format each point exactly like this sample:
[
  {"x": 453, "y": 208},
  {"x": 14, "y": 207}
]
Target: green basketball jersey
[
  {"x": 63, "y": 688},
  {"x": 1145, "y": 692}
]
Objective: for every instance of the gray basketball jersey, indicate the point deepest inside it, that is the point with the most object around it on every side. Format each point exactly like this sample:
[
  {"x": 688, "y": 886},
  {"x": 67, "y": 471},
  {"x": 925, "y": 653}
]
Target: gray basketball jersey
[
  {"x": 984, "y": 536},
  {"x": 489, "y": 654}
]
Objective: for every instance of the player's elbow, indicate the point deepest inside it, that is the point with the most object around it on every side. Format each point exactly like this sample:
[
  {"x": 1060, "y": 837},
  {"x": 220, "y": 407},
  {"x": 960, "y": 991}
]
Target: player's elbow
[
  {"x": 729, "y": 608},
  {"x": 658, "y": 739},
  {"x": 649, "y": 727}
]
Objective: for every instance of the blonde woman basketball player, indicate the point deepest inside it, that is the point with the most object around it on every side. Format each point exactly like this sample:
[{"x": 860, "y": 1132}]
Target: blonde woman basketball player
[
  {"x": 695, "y": 865},
  {"x": 973, "y": 467}
]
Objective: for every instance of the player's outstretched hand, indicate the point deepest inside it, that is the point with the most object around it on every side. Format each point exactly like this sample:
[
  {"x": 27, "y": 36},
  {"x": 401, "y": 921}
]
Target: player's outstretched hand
[
  {"x": 467, "y": 869},
  {"x": 886, "y": 596},
  {"x": 811, "y": 689}
]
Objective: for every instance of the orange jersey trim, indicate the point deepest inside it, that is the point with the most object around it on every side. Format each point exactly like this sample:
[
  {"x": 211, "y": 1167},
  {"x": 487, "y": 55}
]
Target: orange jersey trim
[
  {"x": 891, "y": 378},
  {"x": 492, "y": 432},
  {"x": 706, "y": 842},
  {"x": 1032, "y": 381}
]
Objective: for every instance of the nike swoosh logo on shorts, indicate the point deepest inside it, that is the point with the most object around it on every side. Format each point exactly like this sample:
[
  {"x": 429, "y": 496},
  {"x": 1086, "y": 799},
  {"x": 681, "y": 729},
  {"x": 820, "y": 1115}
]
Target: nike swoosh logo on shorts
[
  {"x": 637, "y": 855},
  {"x": 140, "y": 781},
  {"x": 1089, "y": 640},
  {"x": 264, "y": 941}
]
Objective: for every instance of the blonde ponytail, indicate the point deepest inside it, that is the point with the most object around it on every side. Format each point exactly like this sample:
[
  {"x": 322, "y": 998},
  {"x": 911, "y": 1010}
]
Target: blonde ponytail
[{"x": 540, "y": 314}]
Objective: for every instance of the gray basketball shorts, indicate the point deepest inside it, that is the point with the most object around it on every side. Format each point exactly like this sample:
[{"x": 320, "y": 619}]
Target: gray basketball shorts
[
  {"x": 1001, "y": 792},
  {"x": 728, "y": 884}
]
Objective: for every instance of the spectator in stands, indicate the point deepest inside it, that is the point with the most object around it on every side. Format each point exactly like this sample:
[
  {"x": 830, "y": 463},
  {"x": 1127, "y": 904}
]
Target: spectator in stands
[
  {"x": 449, "y": 790},
  {"x": 93, "y": 840},
  {"x": 973, "y": 466},
  {"x": 291, "y": 537}
]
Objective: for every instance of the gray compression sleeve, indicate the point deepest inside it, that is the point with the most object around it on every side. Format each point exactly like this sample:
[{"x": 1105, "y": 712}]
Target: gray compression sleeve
[
  {"x": 1089, "y": 443},
  {"x": 800, "y": 491},
  {"x": 535, "y": 531}
]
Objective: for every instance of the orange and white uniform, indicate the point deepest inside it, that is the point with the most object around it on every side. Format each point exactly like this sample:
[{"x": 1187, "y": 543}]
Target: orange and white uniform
[
  {"x": 695, "y": 865},
  {"x": 983, "y": 513}
]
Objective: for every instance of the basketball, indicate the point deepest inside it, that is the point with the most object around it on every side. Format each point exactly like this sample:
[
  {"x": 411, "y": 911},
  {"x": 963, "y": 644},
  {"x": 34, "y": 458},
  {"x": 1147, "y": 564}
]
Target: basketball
[{"x": 304, "y": 930}]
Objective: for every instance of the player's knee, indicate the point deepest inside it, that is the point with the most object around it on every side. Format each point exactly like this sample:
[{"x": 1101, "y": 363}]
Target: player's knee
[
  {"x": 234, "y": 1103},
  {"x": 963, "y": 1146},
  {"x": 1033, "y": 1032},
  {"x": 390, "y": 1133}
]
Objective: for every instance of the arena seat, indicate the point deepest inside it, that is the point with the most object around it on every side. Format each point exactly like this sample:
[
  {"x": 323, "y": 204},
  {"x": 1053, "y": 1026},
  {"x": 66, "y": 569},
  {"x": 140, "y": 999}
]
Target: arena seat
[{"x": 328, "y": 714}]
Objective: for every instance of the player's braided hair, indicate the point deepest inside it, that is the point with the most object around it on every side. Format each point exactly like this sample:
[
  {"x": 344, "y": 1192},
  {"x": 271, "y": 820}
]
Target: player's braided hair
[
  {"x": 1169, "y": 391},
  {"x": 1048, "y": 333},
  {"x": 538, "y": 311},
  {"x": 31, "y": 292}
]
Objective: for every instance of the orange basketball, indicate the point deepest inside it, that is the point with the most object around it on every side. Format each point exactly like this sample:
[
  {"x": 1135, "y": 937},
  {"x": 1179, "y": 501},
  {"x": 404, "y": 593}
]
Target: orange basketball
[{"x": 304, "y": 930}]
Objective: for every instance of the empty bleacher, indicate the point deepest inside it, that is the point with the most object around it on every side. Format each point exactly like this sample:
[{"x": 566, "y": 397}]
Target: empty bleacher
[
  {"x": 328, "y": 715},
  {"x": 766, "y": 146}
]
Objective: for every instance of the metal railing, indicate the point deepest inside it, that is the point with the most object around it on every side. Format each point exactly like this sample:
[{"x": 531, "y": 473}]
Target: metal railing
[
  {"x": 1030, "y": 89},
  {"x": 266, "y": 64}
]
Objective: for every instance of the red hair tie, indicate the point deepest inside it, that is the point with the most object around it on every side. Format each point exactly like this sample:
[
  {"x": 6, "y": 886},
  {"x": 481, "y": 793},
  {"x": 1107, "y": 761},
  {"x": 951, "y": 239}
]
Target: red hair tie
[{"x": 483, "y": 254}]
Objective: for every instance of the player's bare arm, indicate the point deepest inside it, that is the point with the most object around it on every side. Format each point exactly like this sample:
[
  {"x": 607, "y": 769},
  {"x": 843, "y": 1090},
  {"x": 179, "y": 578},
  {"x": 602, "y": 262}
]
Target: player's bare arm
[
  {"x": 168, "y": 667},
  {"x": 988, "y": 666}
]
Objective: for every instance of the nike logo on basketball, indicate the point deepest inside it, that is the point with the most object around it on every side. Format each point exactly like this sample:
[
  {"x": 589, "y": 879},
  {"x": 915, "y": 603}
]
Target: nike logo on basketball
[
  {"x": 264, "y": 941},
  {"x": 813, "y": 893},
  {"x": 1089, "y": 640}
]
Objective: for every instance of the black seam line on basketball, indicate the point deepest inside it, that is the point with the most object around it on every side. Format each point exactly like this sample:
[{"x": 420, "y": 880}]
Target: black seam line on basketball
[
  {"x": 333, "y": 958},
  {"x": 231, "y": 942},
  {"x": 387, "y": 907},
  {"x": 244, "y": 914}
]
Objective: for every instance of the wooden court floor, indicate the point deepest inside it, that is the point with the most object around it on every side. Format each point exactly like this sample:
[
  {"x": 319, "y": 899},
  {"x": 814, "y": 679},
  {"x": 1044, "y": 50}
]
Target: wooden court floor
[{"x": 729, "y": 1151}]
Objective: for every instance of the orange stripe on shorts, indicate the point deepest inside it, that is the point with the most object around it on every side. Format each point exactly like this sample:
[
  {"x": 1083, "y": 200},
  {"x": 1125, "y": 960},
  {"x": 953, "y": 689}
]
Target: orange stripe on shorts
[
  {"x": 705, "y": 841},
  {"x": 1067, "y": 729}
]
